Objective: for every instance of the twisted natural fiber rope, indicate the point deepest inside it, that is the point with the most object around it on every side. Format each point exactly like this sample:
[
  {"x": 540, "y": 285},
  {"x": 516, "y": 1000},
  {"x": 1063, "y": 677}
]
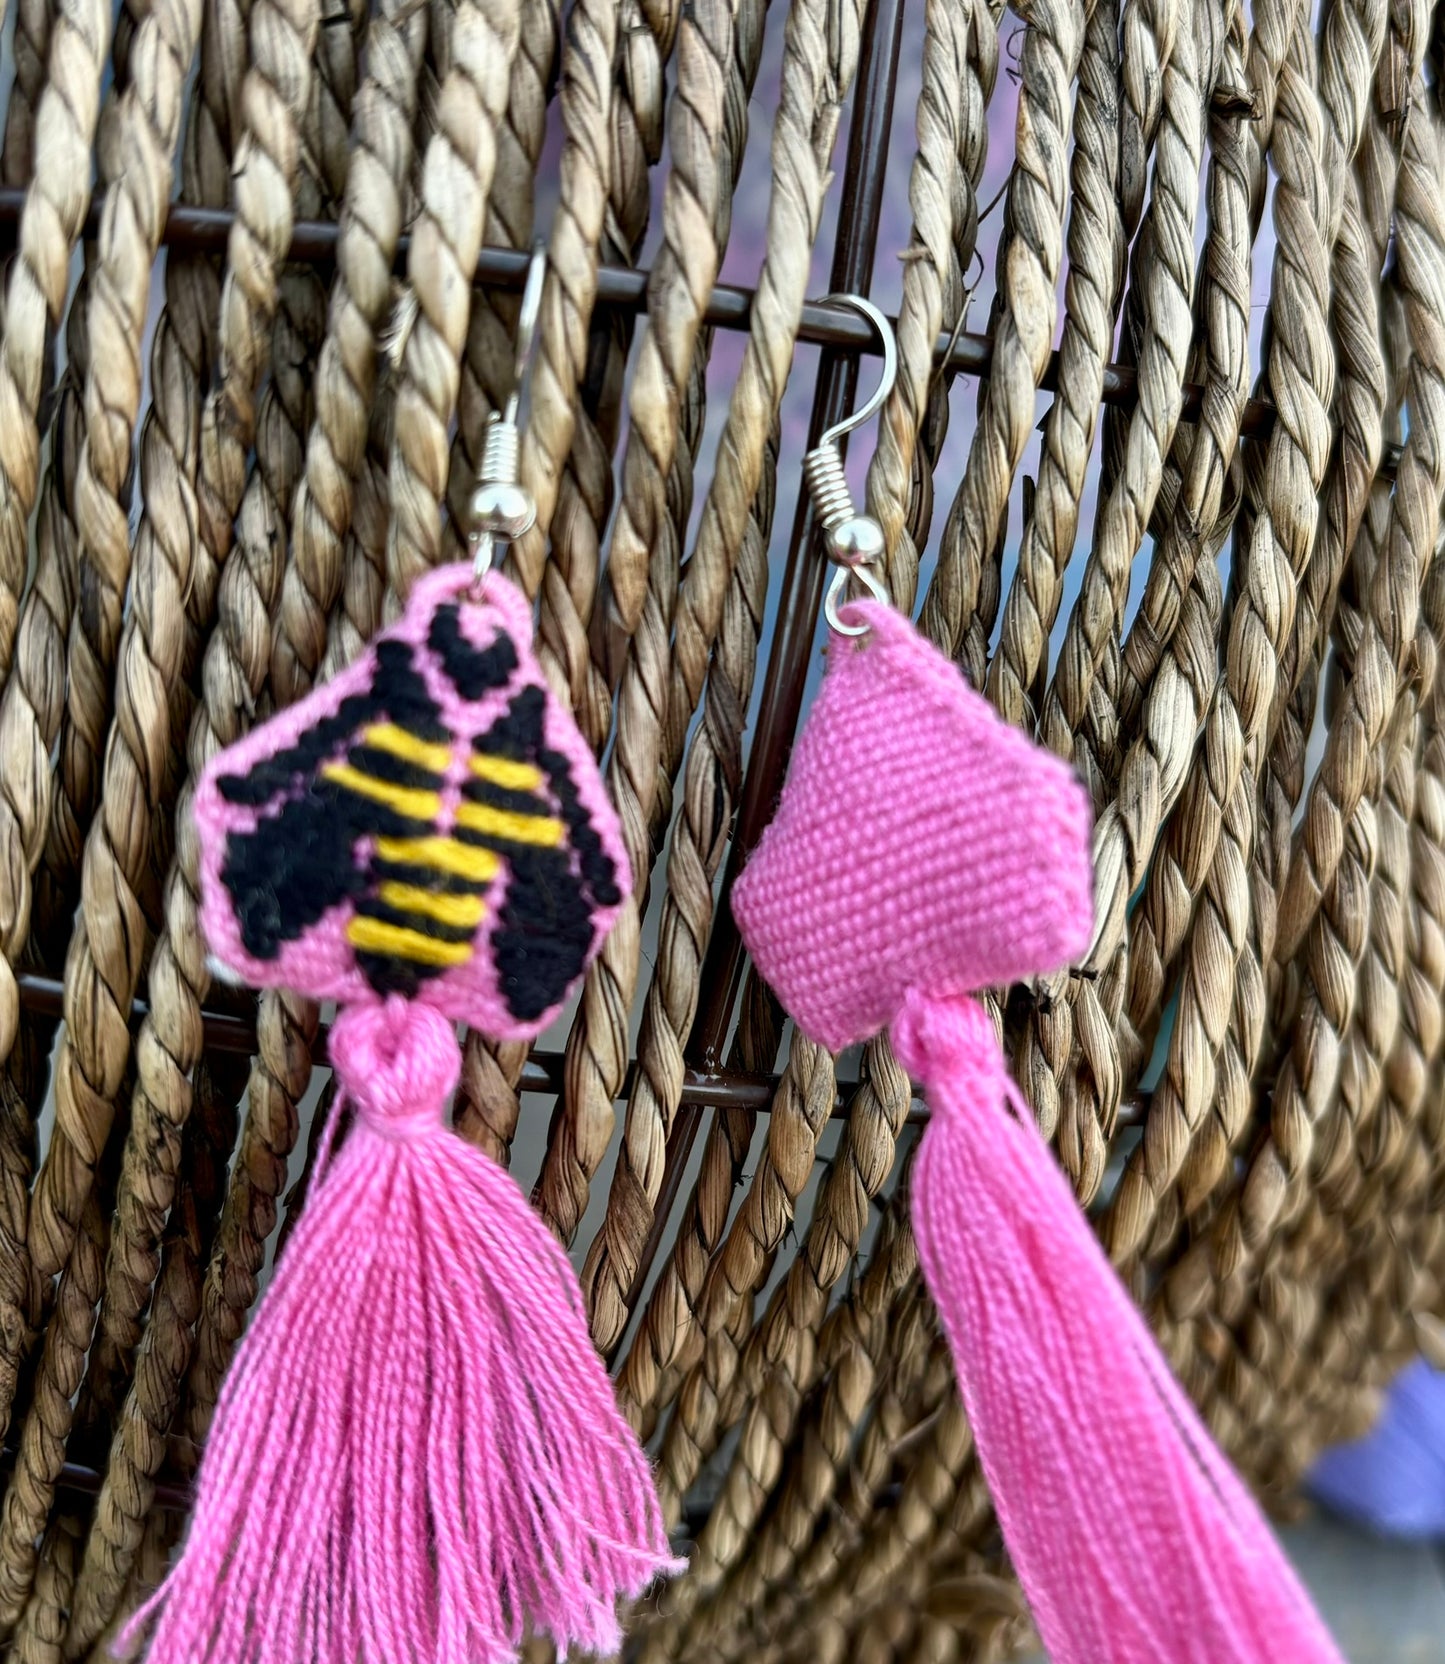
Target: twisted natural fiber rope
[
  {"x": 346, "y": 372},
  {"x": 1217, "y": 812},
  {"x": 1313, "y": 1249},
  {"x": 786, "y": 1339},
  {"x": 672, "y": 1311},
  {"x": 653, "y": 1367},
  {"x": 31, "y": 49},
  {"x": 853, "y": 1521},
  {"x": 155, "y": 1147},
  {"x": 801, "y": 1107},
  {"x": 1362, "y": 1331},
  {"x": 942, "y": 1493},
  {"x": 119, "y": 300},
  {"x": 320, "y": 515},
  {"x": 1316, "y": 1246},
  {"x": 820, "y": 55},
  {"x": 487, "y": 1106},
  {"x": 712, "y": 787},
  {"x": 488, "y": 362},
  {"x": 948, "y": 1487},
  {"x": 87, "y": 1080},
  {"x": 565, "y": 458},
  {"x": 41, "y": 1628},
  {"x": 1091, "y": 305},
  {"x": 780, "y": 1363},
  {"x": 851, "y": 1343},
  {"x": 1351, "y": 50},
  {"x": 143, "y": 1422},
  {"x": 960, "y": 63},
  {"x": 35, "y": 697},
  {"x": 55, "y": 205},
  {"x": 1091, "y": 300},
  {"x": 1090, "y": 1095},
  {"x": 127, "y": 1493},
  {"x": 648, "y": 31},
  {"x": 673, "y": 356},
  {"x": 169, "y": 458},
  {"x": 954, "y": 602},
  {"x": 95, "y": 1043},
  {"x": 148, "y": 117},
  {"x": 914, "y": 1377},
  {"x": 876, "y": 1157},
  {"x": 1337, "y": 931},
  {"x": 1023, "y": 332},
  {"x": 568, "y": 581},
  {"x": 681, "y": 277},
  {"x": 41, "y": 1446},
  {"x": 457, "y": 174},
  {"x": 286, "y": 1026}
]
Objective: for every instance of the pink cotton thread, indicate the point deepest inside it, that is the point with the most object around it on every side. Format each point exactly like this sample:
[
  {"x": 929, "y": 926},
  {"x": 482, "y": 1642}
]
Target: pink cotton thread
[
  {"x": 416, "y": 1454},
  {"x": 923, "y": 851}
]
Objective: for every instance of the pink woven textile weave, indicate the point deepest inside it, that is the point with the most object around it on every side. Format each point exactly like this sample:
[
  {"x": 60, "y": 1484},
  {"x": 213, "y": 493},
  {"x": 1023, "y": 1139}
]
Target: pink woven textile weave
[
  {"x": 918, "y": 845},
  {"x": 923, "y": 852}
]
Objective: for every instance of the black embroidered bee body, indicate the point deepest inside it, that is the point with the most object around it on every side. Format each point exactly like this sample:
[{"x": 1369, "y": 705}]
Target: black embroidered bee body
[{"x": 429, "y": 824}]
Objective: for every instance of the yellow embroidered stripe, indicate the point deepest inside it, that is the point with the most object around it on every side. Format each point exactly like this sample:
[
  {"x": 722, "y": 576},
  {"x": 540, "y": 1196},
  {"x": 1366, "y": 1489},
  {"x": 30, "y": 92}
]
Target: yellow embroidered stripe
[
  {"x": 517, "y": 829},
  {"x": 386, "y": 736},
  {"x": 442, "y": 855},
  {"x": 501, "y": 771},
  {"x": 465, "y": 912},
  {"x": 377, "y": 936},
  {"x": 404, "y": 800}
]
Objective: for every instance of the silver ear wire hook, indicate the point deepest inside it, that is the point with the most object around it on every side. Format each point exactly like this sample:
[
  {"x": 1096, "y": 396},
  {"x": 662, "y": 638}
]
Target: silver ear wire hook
[
  {"x": 854, "y": 541},
  {"x": 501, "y": 508}
]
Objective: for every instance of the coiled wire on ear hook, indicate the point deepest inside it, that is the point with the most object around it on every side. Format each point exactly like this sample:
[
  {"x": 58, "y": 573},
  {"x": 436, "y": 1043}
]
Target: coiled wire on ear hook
[
  {"x": 854, "y": 541},
  {"x": 501, "y": 508}
]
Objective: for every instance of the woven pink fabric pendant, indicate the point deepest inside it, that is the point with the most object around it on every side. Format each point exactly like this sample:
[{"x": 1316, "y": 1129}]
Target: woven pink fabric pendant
[
  {"x": 416, "y": 1455},
  {"x": 922, "y": 852}
]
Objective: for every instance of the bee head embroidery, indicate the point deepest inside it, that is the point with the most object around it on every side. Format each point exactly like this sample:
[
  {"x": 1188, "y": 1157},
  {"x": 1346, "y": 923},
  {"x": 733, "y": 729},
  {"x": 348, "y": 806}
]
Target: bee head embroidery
[{"x": 430, "y": 823}]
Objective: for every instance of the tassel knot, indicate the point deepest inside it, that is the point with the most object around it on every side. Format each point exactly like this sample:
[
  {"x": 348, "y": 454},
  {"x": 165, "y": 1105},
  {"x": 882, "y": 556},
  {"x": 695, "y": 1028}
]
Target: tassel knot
[
  {"x": 398, "y": 1061},
  {"x": 953, "y": 1039}
]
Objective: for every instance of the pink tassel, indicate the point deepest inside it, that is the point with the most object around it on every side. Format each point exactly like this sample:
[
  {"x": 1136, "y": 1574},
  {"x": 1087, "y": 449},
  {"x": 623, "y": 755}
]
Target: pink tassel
[
  {"x": 1133, "y": 1538},
  {"x": 416, "y": 1455}
]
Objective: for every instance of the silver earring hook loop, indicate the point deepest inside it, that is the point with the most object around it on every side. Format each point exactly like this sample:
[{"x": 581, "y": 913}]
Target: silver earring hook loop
[
  {"x": 854, "y": 541},
  {"x": 527, "y": 317},
  {"x": 876, "y": 399},
  {"x": 501, "y": 508}
]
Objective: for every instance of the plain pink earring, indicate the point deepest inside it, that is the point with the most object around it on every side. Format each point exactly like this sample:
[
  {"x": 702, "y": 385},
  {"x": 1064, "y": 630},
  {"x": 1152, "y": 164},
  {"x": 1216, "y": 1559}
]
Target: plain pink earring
[{"x": 1134, "y": 1539}]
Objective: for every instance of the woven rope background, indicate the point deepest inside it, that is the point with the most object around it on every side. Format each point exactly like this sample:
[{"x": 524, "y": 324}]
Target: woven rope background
[{"x": 1171, "y": 318}]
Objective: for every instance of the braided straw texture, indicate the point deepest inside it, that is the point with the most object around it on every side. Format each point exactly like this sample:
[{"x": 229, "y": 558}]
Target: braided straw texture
[{"x": 1173, "y": 501}]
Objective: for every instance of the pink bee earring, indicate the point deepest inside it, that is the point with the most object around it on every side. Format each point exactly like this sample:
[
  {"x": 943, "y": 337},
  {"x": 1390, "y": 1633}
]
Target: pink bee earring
[
  {"x": 923, "y": 851},
  {"x": 417, "y": 1453}
]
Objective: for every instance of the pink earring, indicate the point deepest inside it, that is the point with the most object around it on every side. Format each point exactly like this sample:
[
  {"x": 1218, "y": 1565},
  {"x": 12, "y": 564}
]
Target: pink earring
[
  {"x": 417, "y": 1452},
  {"x": 923, "y": 852}
]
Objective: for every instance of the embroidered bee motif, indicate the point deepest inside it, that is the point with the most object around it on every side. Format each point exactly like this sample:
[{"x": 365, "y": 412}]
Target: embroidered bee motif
[{"x": 430, "y": 824}]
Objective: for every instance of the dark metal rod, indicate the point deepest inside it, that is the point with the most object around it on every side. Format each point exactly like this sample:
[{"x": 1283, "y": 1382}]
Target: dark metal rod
[
  {"x": 859, "y": 215},
  {"x": 206, "y": 231},
  {"x": 706, "y": 1086}
]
